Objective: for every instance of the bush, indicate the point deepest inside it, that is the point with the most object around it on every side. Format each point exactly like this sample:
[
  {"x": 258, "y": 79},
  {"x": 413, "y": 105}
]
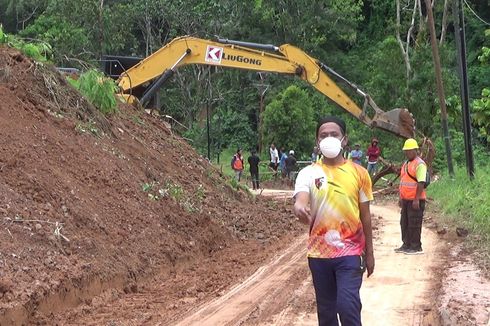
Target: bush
[
  {"x": 98, "y": 89},
  {"x": 38, "y": 51},
  {"x": 480, "y": 152},
  {"x": 288, "y": 121},
  {"x": 466, "y": 202}
]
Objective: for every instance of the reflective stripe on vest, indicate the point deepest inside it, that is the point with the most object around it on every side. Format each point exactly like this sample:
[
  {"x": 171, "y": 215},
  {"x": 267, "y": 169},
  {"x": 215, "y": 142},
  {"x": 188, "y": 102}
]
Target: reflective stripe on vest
[{"x": 408, "y": 186}]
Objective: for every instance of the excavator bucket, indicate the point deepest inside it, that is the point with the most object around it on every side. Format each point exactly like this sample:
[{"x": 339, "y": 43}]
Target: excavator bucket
[{"x": 397, "y": 121}]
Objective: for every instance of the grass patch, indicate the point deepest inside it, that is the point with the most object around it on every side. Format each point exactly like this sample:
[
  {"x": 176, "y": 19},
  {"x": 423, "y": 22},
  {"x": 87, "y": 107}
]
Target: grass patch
[
  {"x": 224, "y": 165},
  {"x": 466, "y": 203}
]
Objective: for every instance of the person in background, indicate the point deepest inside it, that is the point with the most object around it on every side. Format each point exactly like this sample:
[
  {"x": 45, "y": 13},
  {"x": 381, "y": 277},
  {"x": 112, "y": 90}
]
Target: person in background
[
  {"x": 290, "y": 165},
  {"x": 282, "y": 162},
  {"x": 314, "y": 155},
  {"x": 333, "y": 198},
  {"x": 253, "y": 162},
  {"x": 274, "y": 158},
  {"x": 346, "y": 152},
  {"x": 237, "y": 164},
  {"x": 413, "y": 176},
  {"x": 373, "y": 153},
  {"x": 356, "y": 154}
]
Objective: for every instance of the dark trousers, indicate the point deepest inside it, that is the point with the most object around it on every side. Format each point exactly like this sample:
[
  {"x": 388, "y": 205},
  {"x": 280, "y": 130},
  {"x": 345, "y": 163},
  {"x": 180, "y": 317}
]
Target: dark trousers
[
  {"x": 411, "y": 224},
  {"x": 255, "y": 179},
  {"x": 337, "y": 282}
]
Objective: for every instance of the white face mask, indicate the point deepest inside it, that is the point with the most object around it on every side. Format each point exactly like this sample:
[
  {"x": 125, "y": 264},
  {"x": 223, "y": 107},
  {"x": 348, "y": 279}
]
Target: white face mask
[{"x": 331, "y": 147}]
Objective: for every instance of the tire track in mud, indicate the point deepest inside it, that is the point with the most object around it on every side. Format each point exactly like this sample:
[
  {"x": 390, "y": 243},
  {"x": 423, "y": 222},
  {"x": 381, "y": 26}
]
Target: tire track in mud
[
  {"x": 263, "y": 292},
  {"x": 402, "y": 291}
]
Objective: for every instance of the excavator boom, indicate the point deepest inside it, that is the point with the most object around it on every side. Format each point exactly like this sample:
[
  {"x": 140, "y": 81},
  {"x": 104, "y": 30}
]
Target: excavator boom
[{"x": 285, "y": 59}]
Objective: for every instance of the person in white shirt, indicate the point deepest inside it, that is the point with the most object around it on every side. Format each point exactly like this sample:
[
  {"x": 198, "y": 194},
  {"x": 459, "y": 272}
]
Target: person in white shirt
[{"x": 274, "y": 158}]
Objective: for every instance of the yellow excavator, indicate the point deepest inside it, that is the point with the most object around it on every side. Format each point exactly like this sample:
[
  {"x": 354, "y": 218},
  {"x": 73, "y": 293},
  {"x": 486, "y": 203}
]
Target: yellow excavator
[{"x": 284, "y": 59}]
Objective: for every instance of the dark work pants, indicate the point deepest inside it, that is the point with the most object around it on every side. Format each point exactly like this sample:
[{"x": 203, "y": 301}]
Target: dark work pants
[
  {"x": 411, "y": 224},
  {"x": 337, "y": 282},
  {"x": 255, "y": 179}
]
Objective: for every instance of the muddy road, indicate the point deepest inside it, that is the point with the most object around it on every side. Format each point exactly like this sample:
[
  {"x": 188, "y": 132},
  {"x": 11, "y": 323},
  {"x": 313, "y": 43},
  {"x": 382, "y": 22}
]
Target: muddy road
[
  {"x": 277, "y": 290},
  {"x": 281, "y": 293}
]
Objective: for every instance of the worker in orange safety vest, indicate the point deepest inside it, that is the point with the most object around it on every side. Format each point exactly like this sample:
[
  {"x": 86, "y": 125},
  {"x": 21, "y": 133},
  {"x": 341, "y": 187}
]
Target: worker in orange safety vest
[
  {"x": 413, "y": 180},
  {"x": 237, "y": 164}
]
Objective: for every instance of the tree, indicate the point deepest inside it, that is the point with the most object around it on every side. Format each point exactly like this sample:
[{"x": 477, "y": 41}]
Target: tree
[
  {"x": 288, "y": 121},
  {"x": 19, "y": 13},
  {"x": 481, "y": 106}
]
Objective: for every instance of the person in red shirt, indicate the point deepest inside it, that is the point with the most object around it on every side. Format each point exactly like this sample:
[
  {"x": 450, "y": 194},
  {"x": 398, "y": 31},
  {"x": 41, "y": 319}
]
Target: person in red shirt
[{"x": 373, "y": 153}]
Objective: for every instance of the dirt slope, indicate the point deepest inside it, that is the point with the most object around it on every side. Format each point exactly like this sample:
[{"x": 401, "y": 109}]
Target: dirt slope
[{"x": 75, "y": 221}]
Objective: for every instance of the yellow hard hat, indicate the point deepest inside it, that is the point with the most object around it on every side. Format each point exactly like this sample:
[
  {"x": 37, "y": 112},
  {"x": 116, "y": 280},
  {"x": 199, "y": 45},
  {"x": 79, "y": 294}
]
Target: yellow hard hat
[{"x": 410, "y": 143}]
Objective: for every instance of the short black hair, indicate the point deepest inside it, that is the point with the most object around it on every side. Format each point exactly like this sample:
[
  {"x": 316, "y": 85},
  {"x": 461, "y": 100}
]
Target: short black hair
[{"x": 330, "y": 118}]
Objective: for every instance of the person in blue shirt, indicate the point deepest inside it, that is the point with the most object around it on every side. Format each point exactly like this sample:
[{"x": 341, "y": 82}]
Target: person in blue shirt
[
  {"x": 282, "y": 162},
  {"x": 356, "y": 154}
]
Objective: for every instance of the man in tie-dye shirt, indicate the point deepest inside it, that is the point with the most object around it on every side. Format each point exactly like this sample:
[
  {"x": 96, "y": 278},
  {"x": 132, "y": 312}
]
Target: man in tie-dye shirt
[{"x": 332, "y": 196}]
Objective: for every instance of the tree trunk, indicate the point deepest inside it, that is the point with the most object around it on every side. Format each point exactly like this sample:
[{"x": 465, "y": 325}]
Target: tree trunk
[
  {"x": 405, "y": 54},
  {"x": 444, "y": 22},
  {"x": 440, "y": 86},
  {"x": 101, "y": 29}
]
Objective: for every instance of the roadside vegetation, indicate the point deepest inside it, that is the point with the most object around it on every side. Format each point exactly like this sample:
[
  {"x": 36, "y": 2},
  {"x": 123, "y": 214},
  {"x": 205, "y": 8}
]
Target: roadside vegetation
[
  {"x": 97, "y": 89},
  {"x": 40, "y": 51},
  {"x": 466, "y": 204}
]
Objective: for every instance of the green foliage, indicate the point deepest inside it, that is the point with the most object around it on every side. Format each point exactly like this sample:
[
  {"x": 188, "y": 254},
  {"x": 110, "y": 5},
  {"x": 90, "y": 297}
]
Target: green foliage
[
  {"x": 466, "y": 202},
  {"x": 288, "y": 121},
  {"x": 485, "y": 56},
  {"x": 98, "y": 89},
  {"x": 146, "y": 187},
  {"x": 16, "y": 14},
  {"x": 229, "y": 127},
  {"x": 356, "y": 38},
  {"x": 480, "y": 153},
  {"x": 67, "y": 38},
  {"x": 3, "y": 36},
  {"x": 323, "y": 25},
  {"x": 481, "y": 106},
  {"x": 38, "y": 51},
  {"x": 481, "y": 113}
]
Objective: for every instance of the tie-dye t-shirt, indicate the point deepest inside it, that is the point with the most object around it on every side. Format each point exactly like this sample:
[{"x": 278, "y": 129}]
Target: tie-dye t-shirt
[{"x": 335, "y": 193}]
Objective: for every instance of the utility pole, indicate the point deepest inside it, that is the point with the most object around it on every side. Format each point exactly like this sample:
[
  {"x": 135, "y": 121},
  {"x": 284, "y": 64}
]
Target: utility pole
[
  {"x": 262, "y": 88},
  {"x": 440, "y": 87},
  {"x": 463, "y": 78}
]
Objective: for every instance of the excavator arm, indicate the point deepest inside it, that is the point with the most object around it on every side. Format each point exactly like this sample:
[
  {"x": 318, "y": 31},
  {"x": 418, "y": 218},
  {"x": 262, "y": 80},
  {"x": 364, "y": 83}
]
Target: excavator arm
[{"x": 285, "y": 59}]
